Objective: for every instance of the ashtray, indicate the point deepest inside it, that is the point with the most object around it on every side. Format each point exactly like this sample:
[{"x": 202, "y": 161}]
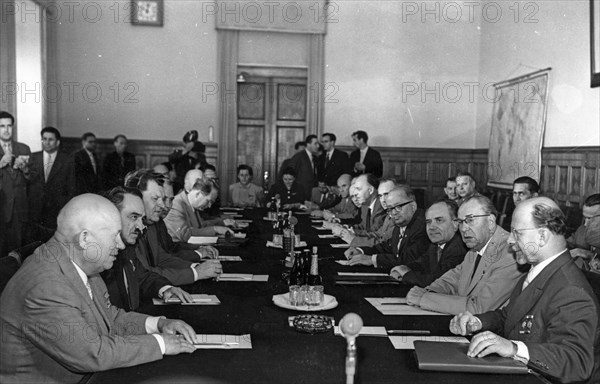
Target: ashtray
[{"x": 311, "y": 323}]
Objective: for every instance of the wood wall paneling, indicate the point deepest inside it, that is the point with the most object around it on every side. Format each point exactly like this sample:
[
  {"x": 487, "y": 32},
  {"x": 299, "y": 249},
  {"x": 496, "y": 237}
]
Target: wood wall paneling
[{"x": 569, "y": 175}]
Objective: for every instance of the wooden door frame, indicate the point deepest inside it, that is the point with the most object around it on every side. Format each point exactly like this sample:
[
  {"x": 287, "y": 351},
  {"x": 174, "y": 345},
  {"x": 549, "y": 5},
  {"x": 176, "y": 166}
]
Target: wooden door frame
[{"x": 228, "y": 56}]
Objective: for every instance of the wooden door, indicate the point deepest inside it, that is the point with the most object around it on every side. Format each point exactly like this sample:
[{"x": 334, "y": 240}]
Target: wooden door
[{"x": 271, "y": 119}]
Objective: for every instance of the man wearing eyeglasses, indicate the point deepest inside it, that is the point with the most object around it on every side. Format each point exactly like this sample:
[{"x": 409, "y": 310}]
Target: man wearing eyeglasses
[
  {"x": 409, "y": 240},
  {"x": 384, "y": 232},
  {"x": 484, "y": 280},
  {"x": 446, "y": 251},
  {"x": 581, "y": 248},
  {"x": 551, "y": 321}
]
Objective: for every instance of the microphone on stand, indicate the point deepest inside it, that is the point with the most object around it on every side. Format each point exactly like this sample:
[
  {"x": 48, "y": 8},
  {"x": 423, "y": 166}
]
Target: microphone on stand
[{"x": 350, "y": 326}]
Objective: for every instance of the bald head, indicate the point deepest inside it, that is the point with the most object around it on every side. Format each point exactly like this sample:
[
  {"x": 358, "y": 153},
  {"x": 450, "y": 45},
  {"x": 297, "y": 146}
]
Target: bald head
[
  {"x": 191, "y": 177},
  {"x": 161, "y": 168},
  {"x": 538, "y": 229},
  {"x": 343, "y": 184},
  {"x": 92, "y": 225},
  {"x": 86, "y": 211}
]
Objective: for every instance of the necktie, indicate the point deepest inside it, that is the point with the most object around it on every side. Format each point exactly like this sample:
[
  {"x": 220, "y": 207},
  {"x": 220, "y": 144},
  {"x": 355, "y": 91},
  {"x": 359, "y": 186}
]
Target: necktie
[
  {"x": 400, "y": 236},
  {"x": 526, "y": 283},
  {"x": 48, "y": 166},
  {"x": 477, "y": 260},
  {"x": 368, "y": 223},
  {"x": 89, "y": 289},
  {"x": 439, "y": 253},
  {"x": 327, "y": 159},
  {"x": 93, "y": 161},
  {"x": 314, "y": 165},
  {"x": 7, "y": 148}
]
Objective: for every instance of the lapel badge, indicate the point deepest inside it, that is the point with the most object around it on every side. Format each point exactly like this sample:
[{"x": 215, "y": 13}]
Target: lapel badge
[
  {"x": 107, "y": 299},
  {"x": 526, "y": 325}
]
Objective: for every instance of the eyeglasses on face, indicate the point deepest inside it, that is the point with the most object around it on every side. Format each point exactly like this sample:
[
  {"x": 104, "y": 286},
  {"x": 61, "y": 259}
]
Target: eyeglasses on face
[
  {"x": 517, "y": 232},
  {"x": 397, "y": 208},
  {"x": 469, "y": 219}
]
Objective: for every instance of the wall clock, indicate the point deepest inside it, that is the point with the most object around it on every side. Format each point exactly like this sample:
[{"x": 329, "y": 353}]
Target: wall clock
[{"x": 147, "y": 12}]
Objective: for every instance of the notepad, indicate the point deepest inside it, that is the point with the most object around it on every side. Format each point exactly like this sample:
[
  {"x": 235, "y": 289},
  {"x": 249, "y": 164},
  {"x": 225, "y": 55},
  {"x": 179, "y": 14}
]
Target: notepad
[
  {"x": 408, "y": 342},
  {"x": 340, "y": 245},
  {"x": 203, "y": 240},
  {"x": 365, "y": 331},
  {"x": 452, "y": 357},
  {"x": 399, "y": 309},
  {"x": 199, "y": 299},
  {"x": 224, "y": 342},
  {"x": 229, "y": 258},
  {"x": 331, "y": 236},
  {"x": 243, "y": 277}
]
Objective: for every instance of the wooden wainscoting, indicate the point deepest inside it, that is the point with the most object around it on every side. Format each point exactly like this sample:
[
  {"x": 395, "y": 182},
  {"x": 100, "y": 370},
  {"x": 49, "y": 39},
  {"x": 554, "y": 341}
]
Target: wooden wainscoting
[
  {"x": 428, "y": 168},
  {"x": 148, "y": 153},
  {"x": 569, "y": 175}
]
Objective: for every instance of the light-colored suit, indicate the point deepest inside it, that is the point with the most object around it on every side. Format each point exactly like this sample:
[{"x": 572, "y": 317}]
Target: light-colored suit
[
  {"x": 345, "y": 209},
  {"x": 492, "y": 283},
  {"x": 182, "y": 216},
  {"x": 53, "y": 332}
]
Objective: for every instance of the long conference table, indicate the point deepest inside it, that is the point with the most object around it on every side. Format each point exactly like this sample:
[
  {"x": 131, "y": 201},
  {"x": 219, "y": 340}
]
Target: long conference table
[{"x": 279, "y": 353}]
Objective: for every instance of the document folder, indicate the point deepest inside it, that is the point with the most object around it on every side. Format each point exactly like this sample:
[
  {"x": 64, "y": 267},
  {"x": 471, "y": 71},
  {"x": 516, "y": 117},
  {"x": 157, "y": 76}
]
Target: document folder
[{"x": 452, "y": 357}]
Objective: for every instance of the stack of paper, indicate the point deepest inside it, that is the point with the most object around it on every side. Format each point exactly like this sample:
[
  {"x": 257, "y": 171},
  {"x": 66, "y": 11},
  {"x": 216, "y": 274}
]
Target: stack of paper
[
  {"x": 202, "y": 240},
  {"x": 407, "y": 342},
  {"x": 199, "y": 299},
  {"x": 398, "y": 306},
  {"x": 224, "y": 342},
  {"x": 243, "y": 277},
  {"x": 229, "y": 258}
]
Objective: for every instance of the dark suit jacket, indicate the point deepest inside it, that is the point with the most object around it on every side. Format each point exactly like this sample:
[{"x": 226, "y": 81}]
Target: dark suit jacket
[
  {"x": 154, "y": 258},
  {"x": 142, "y": 284},
  {"x": 13, "y": 187},
  {"x": 563, "y": 313},
  {"x": 46, "y": 198},
  {"x": 373, "y": 163},
  {"x": 114, "y": 171},
  {"x": 329, "y": 200},
  {"x": 294, "y": 195},
  {"x": 53, "y": 332},
  {"x": 427, "y": 268},
  {"x": 180, "y": 249},
  {"x": 305, "y": 175},
  {"x": 377, "y": 218},
  {"x": 412, "y": 247},
  {"x": 336, "y": 167},
  {"x": 86, "y": 180}
]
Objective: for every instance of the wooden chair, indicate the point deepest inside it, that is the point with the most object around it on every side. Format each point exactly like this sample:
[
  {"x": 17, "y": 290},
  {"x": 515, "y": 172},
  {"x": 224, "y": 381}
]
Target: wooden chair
[{"x": 9, "y": 265}]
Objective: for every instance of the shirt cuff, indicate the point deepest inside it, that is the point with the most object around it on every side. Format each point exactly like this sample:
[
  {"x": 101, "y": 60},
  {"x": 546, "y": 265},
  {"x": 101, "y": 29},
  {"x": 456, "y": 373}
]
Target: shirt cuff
[
  {"x": 199, "y": 253},
  {"x": 152, "y": 324},
  {"x": 161, "y": 343},
  {"x": 162, "y": 290},
  {"x": 374, "y": 260},
  {"x": 193, "y": 266},
  {"x": 522, "y": 352}
]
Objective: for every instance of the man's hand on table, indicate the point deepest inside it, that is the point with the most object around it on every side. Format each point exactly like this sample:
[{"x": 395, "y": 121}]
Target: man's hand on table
[
  {"x": 208, "y": 252},
  {"x": 361, "y": 260},
  {"x": 179, "y": 293},
  {"x": 209, "y": 269},
  {"x": 352, "y": 251},
  {"x": 220, "y": 230},
  {"x": 347, "y": 236},
  {"x": 465, "y": 324},
  {"x": 399, "y": 272},
  {"x": 179, "y": 337}
]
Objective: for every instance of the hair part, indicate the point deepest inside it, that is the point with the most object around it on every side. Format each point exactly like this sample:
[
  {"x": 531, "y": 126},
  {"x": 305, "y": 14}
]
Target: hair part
[
  {"x": 117, "y": 195},
  {"x": 592, "y": 200}
]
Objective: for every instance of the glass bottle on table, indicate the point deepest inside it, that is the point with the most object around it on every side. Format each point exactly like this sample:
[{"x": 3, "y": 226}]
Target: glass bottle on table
[
  {"x": 295, "y": 283},
  {"x": 315, "y": 293}
]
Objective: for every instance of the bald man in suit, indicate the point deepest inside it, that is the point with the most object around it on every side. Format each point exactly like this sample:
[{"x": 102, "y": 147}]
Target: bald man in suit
[
  {"x": 56, "y": 318},
  {"x": 551, "y": 320}
]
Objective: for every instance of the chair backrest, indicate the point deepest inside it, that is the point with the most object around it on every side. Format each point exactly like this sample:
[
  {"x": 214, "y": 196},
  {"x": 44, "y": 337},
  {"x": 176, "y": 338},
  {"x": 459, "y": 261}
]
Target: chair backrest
[
  {"x": 8, "y": 267},
  {"x": 22, "y": 253}
]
